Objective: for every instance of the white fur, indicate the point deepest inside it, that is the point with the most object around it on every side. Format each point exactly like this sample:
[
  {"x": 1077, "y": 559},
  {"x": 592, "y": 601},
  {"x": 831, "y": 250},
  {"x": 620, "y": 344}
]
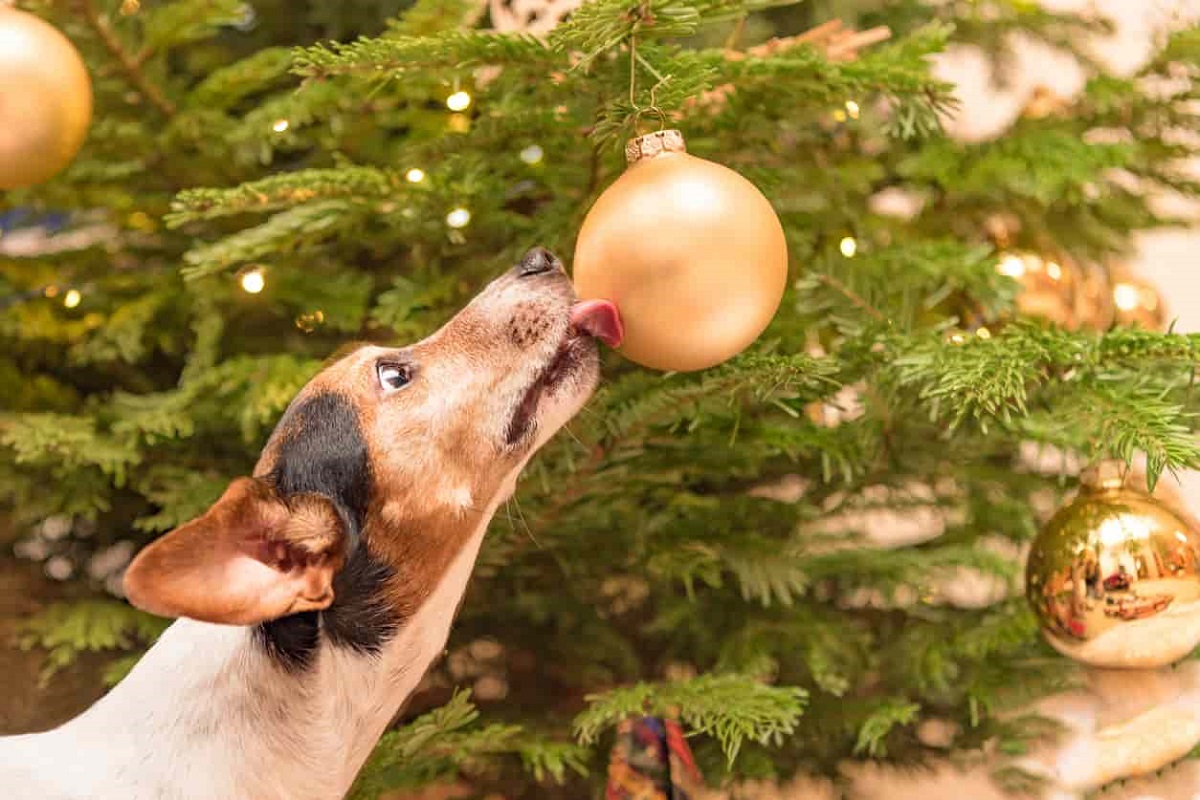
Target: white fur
[{"x": 207, "y": 715}]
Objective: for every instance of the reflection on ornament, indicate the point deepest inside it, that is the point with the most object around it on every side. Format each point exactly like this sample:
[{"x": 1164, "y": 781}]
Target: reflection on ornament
[
  {"x": 414, "y": 175},
  {"x": 1114, "y": 577},
  {"x": 691, "y": 253},
  {"x": 45, "y": 99},
  {"x": 1138, "y": 304}
]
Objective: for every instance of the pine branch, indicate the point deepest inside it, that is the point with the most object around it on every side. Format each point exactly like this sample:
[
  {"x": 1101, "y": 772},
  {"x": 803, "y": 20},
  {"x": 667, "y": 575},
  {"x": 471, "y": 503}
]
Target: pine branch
[
  {"x": 89, "y": 626},
  {"x": 284, "y": 191},
  {"x": 129, "y": 64},
  {"x": 731, "y": 708},
  {"x": 386, "y": 57}
]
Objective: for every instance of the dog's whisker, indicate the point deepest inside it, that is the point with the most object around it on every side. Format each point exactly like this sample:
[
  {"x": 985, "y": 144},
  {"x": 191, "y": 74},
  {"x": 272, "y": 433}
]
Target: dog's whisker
[
  {"x": 567, "y": 429},
  {"x": 524, "y": 523}
]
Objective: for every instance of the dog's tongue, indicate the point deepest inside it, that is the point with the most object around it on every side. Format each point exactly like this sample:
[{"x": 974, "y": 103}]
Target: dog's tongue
[{"x": 599, "y": 318}]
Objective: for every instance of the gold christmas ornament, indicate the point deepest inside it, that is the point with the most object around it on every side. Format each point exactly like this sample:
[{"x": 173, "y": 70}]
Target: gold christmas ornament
[
  {"x": 1059, "y": 289},
  {"x": 1138, "y": 304},
  {"x": 691, "y": 253},
  {"x": 45, "y": 99},
  {"x": 1114, "y": 577}
]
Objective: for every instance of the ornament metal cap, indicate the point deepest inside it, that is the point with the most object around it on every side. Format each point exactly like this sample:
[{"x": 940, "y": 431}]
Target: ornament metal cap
[
  {"x": 654, "y": 144},
  {"x": 1104, "y": 475}
]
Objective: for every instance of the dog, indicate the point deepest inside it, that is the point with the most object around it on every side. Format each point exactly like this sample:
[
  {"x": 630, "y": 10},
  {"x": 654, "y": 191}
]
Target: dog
[{"x": 314, "y": 595}]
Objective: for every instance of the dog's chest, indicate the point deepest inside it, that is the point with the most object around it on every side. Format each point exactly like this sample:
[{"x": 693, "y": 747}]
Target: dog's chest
[{"x": 207, "y": 713}]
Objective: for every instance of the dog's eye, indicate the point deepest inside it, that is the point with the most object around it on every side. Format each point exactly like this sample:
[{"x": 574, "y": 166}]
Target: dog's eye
[{"x": 393, "y": 376}]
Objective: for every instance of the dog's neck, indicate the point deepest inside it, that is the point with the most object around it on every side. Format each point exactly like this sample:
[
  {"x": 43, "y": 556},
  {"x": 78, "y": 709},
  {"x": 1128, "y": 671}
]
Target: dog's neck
[{"x": 209, "y": 713}]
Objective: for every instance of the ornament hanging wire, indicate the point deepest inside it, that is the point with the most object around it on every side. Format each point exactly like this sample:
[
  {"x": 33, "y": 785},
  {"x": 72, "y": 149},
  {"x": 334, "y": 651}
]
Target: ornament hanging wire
[{"x": 636, "y": 58}]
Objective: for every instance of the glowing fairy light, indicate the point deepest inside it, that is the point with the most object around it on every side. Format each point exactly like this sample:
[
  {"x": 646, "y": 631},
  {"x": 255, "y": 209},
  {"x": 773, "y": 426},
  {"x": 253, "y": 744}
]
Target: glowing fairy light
[
  {"x": 72, "y": 298},
  {"x": 414, "y": 175},
  {"x": 983, "y": 333},
  {"x": 1054, "y": 270},
  {"x": 458, "y": 218},
  {"x": 532, "y": 154},
  {"x": 458, "y": 101},
  {"x": 253, "y": 281},
  {"x": 280, "y": 125},
  {"x": 848, "y": 246},
  {"x": 852, "y": 109}
]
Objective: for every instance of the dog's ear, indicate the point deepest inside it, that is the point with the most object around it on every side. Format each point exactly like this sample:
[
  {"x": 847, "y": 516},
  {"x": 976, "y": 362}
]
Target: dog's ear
[{"x": 252, "y": 557}]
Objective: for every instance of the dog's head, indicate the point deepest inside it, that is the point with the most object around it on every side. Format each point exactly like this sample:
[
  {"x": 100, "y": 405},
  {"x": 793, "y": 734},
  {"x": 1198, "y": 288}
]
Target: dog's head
[{"x": 384, "y": 465}]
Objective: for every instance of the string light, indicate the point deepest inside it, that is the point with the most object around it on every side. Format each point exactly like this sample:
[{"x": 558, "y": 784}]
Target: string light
[
  {"x": 848, "y": 246},
  {"x": 72, "y": 298},
  {"x": 1011, "y": 265},
  {"x": 309, "y": 321},
  {"x": 532, "y": 154},
  {"x": 852, "y": 109},
  {"x": 1126, "y": 296},
  {"x": 458, "y": 218},
  {"x": 983, "y": 333},
  {"x": 839, "y": 115},
  {"x": 50, "y": 291},
  {"x": 130, "y": 7},
  {"x": 253, "y": 281},
  {"x": 414, "y": 175},
  {"x": 957, "y": 338},
  {"x": 1054, "y": 270},
  {"x": 458, "y": 101},
  {"x": 280, "y": 125}
]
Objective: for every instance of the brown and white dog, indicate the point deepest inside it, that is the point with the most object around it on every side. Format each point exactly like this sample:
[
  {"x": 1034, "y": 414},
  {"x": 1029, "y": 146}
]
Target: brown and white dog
[{"x": 316, "y": 593}]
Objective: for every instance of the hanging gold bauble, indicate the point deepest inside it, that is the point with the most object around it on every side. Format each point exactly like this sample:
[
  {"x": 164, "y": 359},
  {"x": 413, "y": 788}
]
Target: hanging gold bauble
[
  {"x": 45, "y": 99},
  {"x": 1138, "y": 304},
  {"x": 690, "y": 252},
  {"x": 1114, "y": 577},
  {"x": 1059, "y": 289}
]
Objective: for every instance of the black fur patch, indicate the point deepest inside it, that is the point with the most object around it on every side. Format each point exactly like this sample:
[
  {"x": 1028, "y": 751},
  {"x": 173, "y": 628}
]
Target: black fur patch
[{"x": 325, "y": 453}]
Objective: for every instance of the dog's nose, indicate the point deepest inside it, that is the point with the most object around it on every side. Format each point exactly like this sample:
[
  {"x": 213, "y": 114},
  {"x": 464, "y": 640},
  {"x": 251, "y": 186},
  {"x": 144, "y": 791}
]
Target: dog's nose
[{"x": 537, "y": 261}]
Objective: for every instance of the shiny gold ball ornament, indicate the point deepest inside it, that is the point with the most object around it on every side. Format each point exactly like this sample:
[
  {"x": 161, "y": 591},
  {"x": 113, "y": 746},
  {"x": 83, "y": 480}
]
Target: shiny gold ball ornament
[
  {"x": 45, "y": 99},
  {"x": 691, "y": 253},
  {"x": 1114, "y": 577},
  {"x": 1058, "y": 289},
  {"x": 1138, "y": 304}
]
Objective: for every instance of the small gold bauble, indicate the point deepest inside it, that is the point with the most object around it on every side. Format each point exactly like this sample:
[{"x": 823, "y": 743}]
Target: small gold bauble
[
  {"x": 1059, "y": 289},
  {"x": 1114, "y": 577},
  {"x": 45, "y": 99},
  {"x": 691, "y": 253}
]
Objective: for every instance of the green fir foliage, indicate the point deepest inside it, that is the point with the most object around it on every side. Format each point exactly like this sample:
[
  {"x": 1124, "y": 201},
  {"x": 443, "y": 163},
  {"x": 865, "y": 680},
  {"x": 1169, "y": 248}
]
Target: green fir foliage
[{"x": 719, "y": 524}]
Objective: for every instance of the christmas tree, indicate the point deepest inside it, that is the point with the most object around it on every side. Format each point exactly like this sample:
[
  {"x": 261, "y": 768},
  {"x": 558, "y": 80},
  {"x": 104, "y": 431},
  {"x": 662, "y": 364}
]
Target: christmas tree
[{"x": 263, "y": 183}]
